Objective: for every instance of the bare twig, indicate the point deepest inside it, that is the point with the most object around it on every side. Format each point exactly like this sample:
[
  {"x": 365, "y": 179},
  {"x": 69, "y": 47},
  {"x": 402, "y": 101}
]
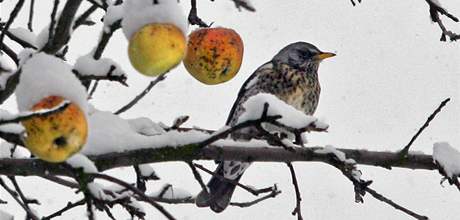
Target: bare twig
[
  {"x": 62, "y": 30},
  {"x": 197, "y": 176},
  {"x": 382, "y": 198},
  {"x": 405, "y": 150},
  {"x": 193, "y": 18},
  {"x": 31, "y": 16},
  {"x": 273, "y": 194},
  {"x": 51, "y": 28},
  {"x": 13, "y": 194},
  {"x": 24, "y": 199},
  {"x": 243, "y": 4},
  {"x": 253, "y": 191},
  {"x": 18, "y": 40},
  {"x": 135, "y": 190},
  {"x": 298, "y": 209},
  {"x": 68, "y": 207},
  {"x": 142, "y": 94},
  {"x": 10, "y": 53},
  {"x": 435, "y": 10},
  {"x": 83, "y": 19},
  {"x": 10, "y": 20}
]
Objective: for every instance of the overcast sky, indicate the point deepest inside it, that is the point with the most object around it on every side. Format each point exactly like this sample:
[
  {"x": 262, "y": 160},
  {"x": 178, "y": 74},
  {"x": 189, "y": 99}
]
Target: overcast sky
[{"x": 390, "y": 73}]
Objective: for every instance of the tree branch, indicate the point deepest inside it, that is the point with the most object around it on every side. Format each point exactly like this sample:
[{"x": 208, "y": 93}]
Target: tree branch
[
  {"x": 263, "y": 153},
  {"x": 63, "y": 28},
  {"x": 142, "y": 94},
  {"x": 13, "y": 15},
  {"x": 297, "y": 210},
  {"x": 405, "y": 150}
]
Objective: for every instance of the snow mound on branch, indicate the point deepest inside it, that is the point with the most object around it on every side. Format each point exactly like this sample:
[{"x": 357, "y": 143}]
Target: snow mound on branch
[
  {"x": 110, "y": 133},
  {"x": 329, "y": 149},
  {"x": 147, "y": 171},
  {"x": 44, "y": 75},
  {"x": 138, "y": 13},
  {"x": 113, "y": 14},
  {"x": 81, "y": 161},
  {"x": 12, "y": 128},
  {"x": 448, "y": 158},
  {"x": 290, "y": 116},
  {"x": 88, "y": 66},
  {"x": 24, "y": 34},
  {"x": 145, "y": 126}
]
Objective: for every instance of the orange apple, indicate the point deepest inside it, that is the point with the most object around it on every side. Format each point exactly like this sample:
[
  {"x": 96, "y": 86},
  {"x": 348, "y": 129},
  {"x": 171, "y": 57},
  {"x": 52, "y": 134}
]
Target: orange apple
[
  {"x": 57, "y": 136},
  {"x": 214, "y": 55},
  {"x": 156, "y": 48}
]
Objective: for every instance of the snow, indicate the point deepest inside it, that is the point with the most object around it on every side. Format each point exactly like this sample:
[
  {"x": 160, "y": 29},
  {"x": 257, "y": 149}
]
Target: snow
[
  {"x": 145, "y": 126},
  {"x": 24, "y": 34},
  {"x": 290, "y": 116},
  {"x": 44, "y": 75},
  {"x": 7, "y": 68},
  {"x": 138, "y": 13},
  {"x": 97, "y": 190},
  {"x": 12, "y": 128},
  {"x": 88, "y": 66},
  {"x": 110, "y": 133},
  {"x": 6, "y": 216},
  {"x": 448, "y": 158},
  {"x": 328, "y": 149},
  {"x": 42, "y": 37},
  {"x": 147, "y": 170},
  {"x": 19, "y": 152},
  {"x": 114, "y": 13},
  {"x": 25, "y": 55},
  {"x": 172, "y": 193},
  {"x": 81, "y": 161}
]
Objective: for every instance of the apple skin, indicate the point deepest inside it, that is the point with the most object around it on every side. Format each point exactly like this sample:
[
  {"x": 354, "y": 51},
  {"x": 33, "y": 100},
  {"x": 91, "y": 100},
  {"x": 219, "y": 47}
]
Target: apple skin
[
  {"x": 156, "y": 48},
  {"x": 57, "y": 136},
  {"x": 214, "y": 55}
]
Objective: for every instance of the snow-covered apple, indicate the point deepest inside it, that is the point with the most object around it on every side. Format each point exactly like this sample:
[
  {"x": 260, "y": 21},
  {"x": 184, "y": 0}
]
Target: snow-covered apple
[
  {"x": 156, "y": 48},
  {"x": 214, "y": 55},
  {"x": 57, "y": 136}
]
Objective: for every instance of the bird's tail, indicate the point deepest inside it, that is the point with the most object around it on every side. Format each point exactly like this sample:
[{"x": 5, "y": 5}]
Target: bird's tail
[{"x": 219, "y": 192}]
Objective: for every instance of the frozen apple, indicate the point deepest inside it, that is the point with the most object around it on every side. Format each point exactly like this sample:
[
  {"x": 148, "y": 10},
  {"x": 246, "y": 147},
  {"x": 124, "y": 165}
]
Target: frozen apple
[
  {"x": 214, "y": 55},
  {"x": 156, "y": 48},
  {"x": 57, "y": 136}
]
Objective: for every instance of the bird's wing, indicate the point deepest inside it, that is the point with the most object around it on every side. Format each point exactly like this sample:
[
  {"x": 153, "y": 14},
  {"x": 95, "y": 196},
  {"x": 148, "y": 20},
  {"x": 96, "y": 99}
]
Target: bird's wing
[{"x": 249, "y": 83}]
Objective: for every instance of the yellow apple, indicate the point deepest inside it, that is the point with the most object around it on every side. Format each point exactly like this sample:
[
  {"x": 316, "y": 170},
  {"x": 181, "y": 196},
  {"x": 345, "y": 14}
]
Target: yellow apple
[
  {"x": 214, "y": 55},
  {"x": 57, "y": 136},
  {"x": 156, "y": 48}
]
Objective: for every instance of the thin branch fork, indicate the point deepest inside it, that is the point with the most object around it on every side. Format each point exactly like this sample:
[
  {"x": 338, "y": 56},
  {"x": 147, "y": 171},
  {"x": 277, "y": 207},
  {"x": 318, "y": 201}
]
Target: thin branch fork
[
  {"x": 435, "y": 10},
  {"x": 142, "y": 94},
  {"x": 13, "y": 15},
  {"x": 405, "y": 150}
]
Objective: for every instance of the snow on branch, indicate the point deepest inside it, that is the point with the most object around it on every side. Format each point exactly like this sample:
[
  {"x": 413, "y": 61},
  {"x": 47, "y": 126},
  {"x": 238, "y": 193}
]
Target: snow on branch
[
  {"x": 447, "y": 159},
  {"x": 88, "y": 68}
]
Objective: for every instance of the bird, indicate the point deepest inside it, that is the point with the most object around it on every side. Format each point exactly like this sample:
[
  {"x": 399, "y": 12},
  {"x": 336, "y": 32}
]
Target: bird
[{"x": 292, "y": 76}]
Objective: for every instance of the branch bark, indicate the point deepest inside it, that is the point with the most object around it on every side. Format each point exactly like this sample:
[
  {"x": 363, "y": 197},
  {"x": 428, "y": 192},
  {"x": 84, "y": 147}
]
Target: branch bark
[{"x": 27, "y": 167}]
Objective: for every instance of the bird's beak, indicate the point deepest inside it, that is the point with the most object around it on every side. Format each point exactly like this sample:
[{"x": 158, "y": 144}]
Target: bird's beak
[{"x": 324, "y": 55}]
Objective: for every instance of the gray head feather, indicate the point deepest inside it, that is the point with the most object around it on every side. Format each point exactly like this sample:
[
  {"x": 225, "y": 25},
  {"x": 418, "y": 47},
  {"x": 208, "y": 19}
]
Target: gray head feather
[{"x": 297, "y": 54}]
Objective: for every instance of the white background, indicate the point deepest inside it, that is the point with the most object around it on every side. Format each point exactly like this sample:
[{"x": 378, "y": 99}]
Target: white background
[{"x": 390, "y": 73}]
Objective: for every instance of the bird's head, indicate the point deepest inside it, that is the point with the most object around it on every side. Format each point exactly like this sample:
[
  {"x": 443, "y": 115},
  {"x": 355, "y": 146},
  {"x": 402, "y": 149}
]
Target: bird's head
[{"x": 301, "y": 55}]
